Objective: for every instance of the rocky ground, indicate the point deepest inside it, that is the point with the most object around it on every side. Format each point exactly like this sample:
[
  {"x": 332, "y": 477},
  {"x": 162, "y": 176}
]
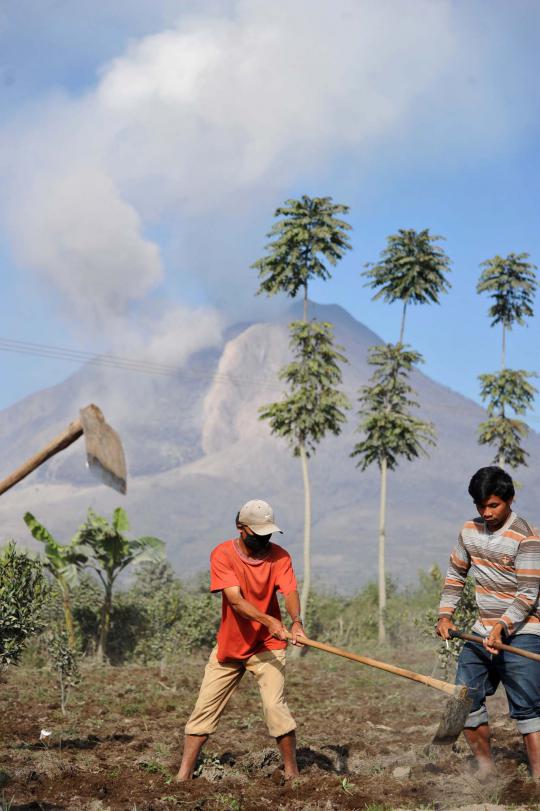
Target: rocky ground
[{"x": 363, "y": 744}]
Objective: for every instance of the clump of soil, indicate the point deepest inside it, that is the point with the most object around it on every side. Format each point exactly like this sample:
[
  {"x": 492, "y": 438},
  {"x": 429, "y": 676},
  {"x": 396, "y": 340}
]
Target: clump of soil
[{"x": 362, "y": 744}]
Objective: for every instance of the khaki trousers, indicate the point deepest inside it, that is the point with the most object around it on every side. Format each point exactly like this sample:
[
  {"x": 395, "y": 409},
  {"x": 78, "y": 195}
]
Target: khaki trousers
[{"x": 220, "y": 681}]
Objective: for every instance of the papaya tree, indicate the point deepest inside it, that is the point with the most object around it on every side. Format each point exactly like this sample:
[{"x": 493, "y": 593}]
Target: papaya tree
[
  {"x": 308, "y": 237},
  {"x": 62, "y": 561},
  {"x": 511, "y": 284},
  {"x": 109, "y": 551},
  {"x": 390, "y": 431},
  {"x": 312, "y": 407},
  {"x": 411, "y": 269},
  {"x": 508, "y": 394}
]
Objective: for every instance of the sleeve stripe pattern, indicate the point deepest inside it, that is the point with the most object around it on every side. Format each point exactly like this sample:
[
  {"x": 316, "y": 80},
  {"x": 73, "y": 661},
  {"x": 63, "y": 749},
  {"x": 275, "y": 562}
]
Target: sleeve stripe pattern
[{"x": 506, "y": 570}]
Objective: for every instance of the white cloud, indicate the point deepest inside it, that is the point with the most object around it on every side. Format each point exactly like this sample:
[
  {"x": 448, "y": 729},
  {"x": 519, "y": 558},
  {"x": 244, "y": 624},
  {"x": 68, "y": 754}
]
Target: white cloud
[
  {"x": 202, "y": 128},
  {"x": 219, "y": 105},
  {"x": 171, "y": 336},
  {"x": 87, "y": 241}
]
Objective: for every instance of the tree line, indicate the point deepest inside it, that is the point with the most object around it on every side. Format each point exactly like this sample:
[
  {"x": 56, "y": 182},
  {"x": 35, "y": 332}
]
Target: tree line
[
  {"x": 157, "y": 618},
  {"x": 69, "y": 603},
  {"x": 308, "y": 238}
]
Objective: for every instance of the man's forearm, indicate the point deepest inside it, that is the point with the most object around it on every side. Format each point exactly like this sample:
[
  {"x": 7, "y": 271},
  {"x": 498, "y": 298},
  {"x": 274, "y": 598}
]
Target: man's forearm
[
  {"x": 454, "y": 582},
  {"x": 249, "y": 611},
  {"x": 292, "y": 604},
  {"x": 528, "y": 583},
  {"x": 519, "y": 610}
]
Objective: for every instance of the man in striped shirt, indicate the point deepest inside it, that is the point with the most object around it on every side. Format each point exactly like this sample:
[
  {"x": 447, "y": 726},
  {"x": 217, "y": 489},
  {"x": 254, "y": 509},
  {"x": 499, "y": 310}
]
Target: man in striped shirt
[{"x": 502, "y": 552}]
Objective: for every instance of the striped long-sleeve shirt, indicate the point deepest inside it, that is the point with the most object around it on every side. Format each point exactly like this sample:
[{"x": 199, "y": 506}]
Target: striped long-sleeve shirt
[{"x": 506, "y": 568}]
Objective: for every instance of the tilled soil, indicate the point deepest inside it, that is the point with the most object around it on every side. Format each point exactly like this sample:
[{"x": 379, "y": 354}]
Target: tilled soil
[{"x": 363, "y": 739}]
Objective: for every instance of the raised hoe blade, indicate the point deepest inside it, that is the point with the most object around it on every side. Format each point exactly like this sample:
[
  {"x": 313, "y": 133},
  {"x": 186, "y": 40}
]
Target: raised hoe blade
[
  {"x": 453, "y": 718},
  {"x": 104, "y": 451}
]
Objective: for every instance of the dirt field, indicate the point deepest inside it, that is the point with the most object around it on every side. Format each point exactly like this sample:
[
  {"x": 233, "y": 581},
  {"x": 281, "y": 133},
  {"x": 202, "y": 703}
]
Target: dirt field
[{"x": 119, "y": 745}]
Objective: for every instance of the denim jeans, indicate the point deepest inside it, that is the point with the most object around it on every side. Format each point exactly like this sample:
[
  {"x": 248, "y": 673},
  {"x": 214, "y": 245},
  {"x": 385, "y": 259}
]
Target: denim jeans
[{"x": 482, "y": 672}]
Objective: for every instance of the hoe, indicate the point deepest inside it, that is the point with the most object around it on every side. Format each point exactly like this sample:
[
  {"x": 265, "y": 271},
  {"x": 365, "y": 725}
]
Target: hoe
[
  {"x": 457, "y": 708},
  {"x": 104, "y": 452}
]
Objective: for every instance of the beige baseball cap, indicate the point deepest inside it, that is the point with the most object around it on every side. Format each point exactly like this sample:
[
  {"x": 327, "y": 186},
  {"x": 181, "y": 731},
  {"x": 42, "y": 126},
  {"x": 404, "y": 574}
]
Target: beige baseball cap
[{"x": 259, "y": 517}]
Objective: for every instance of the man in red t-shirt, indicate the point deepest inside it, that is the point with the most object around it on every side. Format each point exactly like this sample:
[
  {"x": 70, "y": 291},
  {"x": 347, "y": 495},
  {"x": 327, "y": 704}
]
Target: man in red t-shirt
[{"x": 249, "y": 571}]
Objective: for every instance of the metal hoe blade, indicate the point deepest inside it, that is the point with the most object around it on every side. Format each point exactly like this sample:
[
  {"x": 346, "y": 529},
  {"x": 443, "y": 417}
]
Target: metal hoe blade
[
  {"x": 454, "y": 716},
  {"x": 104, "y": 451}
]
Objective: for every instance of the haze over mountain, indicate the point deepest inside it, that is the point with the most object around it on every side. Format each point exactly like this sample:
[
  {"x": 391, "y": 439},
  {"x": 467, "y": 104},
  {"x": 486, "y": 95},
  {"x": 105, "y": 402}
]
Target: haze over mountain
[{"x": 196, "y": 451}]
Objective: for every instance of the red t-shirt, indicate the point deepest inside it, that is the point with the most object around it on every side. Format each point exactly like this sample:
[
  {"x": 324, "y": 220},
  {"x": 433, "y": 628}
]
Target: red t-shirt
[{"x": 239, "y": 638}]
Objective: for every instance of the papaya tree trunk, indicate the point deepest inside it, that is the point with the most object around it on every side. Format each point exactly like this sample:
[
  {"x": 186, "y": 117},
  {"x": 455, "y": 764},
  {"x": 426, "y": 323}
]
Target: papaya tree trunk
[
  {"x": 402, "y": 328},
  {"x": 68, "y": 616},
  {"x": 105, "y": 623},
  {"x": 502, "y": 460},
  {"x": 306, "y": 585},
  {"x": 382, "y": 568}
]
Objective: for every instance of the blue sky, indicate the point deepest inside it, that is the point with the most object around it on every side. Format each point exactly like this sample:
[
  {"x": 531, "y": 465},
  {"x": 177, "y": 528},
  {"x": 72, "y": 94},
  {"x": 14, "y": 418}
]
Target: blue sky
[{"x": 144, "y": 147}]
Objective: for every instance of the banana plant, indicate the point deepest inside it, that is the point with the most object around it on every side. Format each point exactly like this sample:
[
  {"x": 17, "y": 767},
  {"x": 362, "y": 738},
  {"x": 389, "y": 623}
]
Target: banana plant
[
  {"x": 109, "y": 552},
  {"x": 63, "y": 561}
]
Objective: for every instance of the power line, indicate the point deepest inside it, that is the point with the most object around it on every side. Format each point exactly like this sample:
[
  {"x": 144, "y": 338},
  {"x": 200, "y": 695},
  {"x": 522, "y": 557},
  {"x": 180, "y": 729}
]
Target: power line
[
  {"x": 119, "y": 362},
  {"x": 142, "y": 366},
  {"x": 39, "y": 350}
]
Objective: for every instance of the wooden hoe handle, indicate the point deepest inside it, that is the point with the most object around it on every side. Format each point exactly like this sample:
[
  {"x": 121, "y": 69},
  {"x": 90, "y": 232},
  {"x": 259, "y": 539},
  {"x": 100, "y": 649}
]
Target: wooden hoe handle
[
  {"x": 437, "y": 684},
  {"x": 499, "y": 645},
  {"x": 63, "y": 440}
]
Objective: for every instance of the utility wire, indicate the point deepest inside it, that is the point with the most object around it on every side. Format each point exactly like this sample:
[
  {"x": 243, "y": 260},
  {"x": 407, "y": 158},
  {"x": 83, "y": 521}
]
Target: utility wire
[
  {"x": 118, "y": 362},
  {"x": 141, "y": 366}
]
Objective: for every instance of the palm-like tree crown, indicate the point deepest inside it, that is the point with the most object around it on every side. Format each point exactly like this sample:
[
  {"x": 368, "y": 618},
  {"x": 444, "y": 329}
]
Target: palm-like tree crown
[
  {"x": 314, "y": 405},
  {"x": 411, "y": 268},
  {"x": 308, "y": 232},
  {"x": 511, "y": 282},
  {"x": 389, "y": 428},
  {"x": 507, "y": 390}
]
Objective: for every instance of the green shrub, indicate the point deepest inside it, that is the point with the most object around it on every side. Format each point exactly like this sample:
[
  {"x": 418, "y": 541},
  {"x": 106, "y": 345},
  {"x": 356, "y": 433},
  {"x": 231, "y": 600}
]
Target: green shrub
[
  {"x": 129, "y": 623},
  {"x": 179, "y": 617},
  {"x": 128, "y": 620},
  {"x": 160, "y": 616},
  {"x": 86, "y": 600},
  {"x": 200, "y": 621},
  {"x": 464, "y": 617},
  {"x": 152, "y": 620},
  {"x": 23, "y": 597},
  {"x": 65, "y": 663},
  {"x": 352, "y": 621}
]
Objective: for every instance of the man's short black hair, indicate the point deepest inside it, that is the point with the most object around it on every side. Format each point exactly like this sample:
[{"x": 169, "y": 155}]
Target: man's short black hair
[{"x": 491, "y": 481}]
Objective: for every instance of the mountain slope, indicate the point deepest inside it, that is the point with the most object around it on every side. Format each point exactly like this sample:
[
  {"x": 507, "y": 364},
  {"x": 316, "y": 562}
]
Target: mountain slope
[{"x": 197, "y": 450}]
